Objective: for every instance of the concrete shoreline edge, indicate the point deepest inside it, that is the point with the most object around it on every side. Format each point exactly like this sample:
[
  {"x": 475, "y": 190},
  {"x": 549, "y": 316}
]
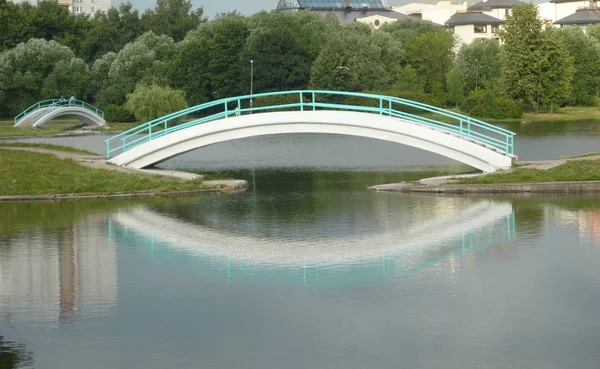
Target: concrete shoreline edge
[{"x": 499, "y": 188}]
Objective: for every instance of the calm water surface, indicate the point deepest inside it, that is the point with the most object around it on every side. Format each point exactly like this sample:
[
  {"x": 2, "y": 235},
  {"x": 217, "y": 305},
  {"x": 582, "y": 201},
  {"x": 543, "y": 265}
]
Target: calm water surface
[{"x": 307, "y": 269}]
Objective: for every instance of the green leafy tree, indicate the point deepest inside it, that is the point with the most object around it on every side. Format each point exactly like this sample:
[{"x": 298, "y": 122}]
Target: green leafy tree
[
  {"x": 16, "y": 24},
  {"x": 47, "y": 20},
  {"x": 210, "y": 63},
  {"x": 69, "y": 77},
  {"x": 585, "y": 51},
  {"x": 404, "y": 30},
  {"x": 144, "y": 61},
  {"x": 407, "y": 80},
  {"x": 557, "y": 70},
  {"x": 37, "y": 70},
  {"x": 479, "y": 62},
  {"x": 99, "y": 74},
  {"x": 283, "y": 46},
  {"x": 430, "y": 54},
  {"x": 535, "y": 65},
  {"x": 150, "y": 102},
  {"x": 190, "y": 72},
  {"x": 353, "y": 60},
  {"x": 174, "y": 18},
  {"x": 455, "y": 82},
  {"x": 111, "y": 31}
]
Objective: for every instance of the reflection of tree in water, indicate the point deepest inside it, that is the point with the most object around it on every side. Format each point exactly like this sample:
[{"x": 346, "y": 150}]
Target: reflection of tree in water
[{"x": 14, "y": 355}]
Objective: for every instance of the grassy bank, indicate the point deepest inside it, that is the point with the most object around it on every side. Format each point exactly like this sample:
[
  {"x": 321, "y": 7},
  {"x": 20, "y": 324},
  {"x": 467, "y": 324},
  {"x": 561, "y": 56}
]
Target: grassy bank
[
  {"x": 31, "y": 173},
  {"x": 581, "y": 170},
  {"x": 47, "y": 147}
]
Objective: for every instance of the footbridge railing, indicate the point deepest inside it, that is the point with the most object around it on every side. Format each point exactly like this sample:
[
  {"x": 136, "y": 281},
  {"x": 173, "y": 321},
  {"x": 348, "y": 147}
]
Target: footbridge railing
[
  {"x": 305, "y": 100},
  {"x": 58, "y": 103}
]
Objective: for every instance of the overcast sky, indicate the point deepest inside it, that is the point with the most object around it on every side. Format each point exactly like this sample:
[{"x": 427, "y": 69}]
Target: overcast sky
[
  {"x": 246, "y": 7},
  {"x": 212, "y": 7}
]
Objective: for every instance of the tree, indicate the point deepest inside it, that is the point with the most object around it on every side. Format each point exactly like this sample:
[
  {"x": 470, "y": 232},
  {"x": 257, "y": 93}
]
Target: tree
[
  {"x": 585, "y": 51},
  {"x": 430, "y": 54},
  {"x": 210, "y": 63},
  {"x": 143, "y": 61},
  {"x": 404, "y": 30},
  {"x": 151, "y": 102},
  {"x": 173, "y": 18},
  {"x": 38, "y": 70},
  {"x": 407, "y": 80},
  {"x": 16, "y": 24},
  {"x": 535, "y": 66},
  {"x": 455, "y": 81},
  {"x": 111, "y": 31},
  {"x": 557, "y": 70},
  {"x": 190, "y": 71},
  {"x": 479, "y": 62},
  {"x": 283, "y": 46},
  {"x": 47, "y": 20},
  {"x": 352, "y": 60}
]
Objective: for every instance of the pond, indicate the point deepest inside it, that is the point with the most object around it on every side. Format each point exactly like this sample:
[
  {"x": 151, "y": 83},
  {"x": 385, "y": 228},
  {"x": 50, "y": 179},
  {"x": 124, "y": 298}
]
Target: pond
[{"x": 305, "y": 269}]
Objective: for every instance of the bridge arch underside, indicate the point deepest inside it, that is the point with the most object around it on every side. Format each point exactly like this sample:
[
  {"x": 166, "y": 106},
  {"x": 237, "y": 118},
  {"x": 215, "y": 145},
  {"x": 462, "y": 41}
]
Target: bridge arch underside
[
  {"x": 331, "y": 122},
  {"x": 43, "y": 116}
]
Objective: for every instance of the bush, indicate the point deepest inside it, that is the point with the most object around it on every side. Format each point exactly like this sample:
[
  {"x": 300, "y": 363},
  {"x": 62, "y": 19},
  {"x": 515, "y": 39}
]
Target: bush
[
  {"x": 276, "y": 100},
  {"x": 485, "y": 104},
  {"x": 117, "y": 114},
  {"x": 151, "y": 102}
]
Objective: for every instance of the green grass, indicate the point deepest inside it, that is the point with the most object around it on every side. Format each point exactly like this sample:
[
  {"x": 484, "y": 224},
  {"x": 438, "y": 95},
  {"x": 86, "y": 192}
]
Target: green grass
[
  {"x": 48, "y": 147},
  {"x": 583, "y": 155},
  {"x": 566, "y": 114},
  {"x": 52, "y": 128},
  {"x": 581, "y": 170},
  {"x": 31, "y": 173}
]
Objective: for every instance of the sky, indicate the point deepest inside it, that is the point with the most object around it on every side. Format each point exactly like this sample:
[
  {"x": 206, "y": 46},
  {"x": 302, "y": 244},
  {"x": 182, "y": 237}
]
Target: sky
[{"x": 213, "y": 7}]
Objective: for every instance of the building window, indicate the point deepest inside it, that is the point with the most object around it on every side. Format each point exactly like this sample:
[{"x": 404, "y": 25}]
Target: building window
[
  {"x": 506, "y": 12},
  {"x": 77, "y": 9},
  {"x": 377, "y": 23},
  {"x": 452, "y": 30},
  {"x": 480, "y": 29},
  {"x": 94, "y": 9},
  {"x": 495, "y": 29}
]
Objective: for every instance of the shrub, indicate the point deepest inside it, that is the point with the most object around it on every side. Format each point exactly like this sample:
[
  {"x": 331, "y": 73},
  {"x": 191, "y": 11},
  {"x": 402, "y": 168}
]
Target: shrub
[
  {"x": 486, "y": 104},
  {"x": 117, "y": 114},
  {"x": 150, "y": 102}
]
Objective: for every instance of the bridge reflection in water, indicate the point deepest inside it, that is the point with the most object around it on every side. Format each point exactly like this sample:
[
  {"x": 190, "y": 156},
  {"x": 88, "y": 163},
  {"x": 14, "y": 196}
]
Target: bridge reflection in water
[{"x": 443, "y": 244}]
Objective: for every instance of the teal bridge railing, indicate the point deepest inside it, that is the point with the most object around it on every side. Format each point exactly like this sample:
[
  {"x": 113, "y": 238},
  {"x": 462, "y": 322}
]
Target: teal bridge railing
[
  {"x": 58, "y": 103},
  {"x": 304, "y": 100}
]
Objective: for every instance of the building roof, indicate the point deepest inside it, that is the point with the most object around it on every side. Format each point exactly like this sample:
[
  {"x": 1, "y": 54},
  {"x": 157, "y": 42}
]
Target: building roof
[
  {"x": 581, "y": 16},
  {"x": 565, "y": 1},
  {"x": 328, "y": 4},
  {"x": 495, "y": 4},
  {"x": 475, "y": 18},
  {"x": 347, "y": 16}
]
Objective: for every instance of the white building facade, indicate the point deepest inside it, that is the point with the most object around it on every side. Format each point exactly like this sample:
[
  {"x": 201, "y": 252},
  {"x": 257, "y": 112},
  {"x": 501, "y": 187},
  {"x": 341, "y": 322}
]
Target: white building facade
[
  {"x": 484, "y": 19},
  {"x": 78, "y": 6}
]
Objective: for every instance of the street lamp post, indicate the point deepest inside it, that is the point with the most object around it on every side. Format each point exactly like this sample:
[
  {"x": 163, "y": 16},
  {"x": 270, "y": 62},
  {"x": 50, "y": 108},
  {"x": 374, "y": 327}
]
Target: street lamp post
[{"x": 251, "y": 82}]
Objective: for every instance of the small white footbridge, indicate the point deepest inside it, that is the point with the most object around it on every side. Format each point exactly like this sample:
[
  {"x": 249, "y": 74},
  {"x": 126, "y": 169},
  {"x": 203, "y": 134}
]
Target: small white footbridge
[
  {"x": 459, "y": 137},
  {"x": 42, "y": 112}
]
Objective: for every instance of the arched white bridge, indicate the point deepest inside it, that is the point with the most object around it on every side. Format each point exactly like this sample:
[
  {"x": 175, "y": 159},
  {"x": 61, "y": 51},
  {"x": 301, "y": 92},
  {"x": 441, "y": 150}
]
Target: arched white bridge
[
  {"x": 44, "y": 111},
  {"x": 470, "y": 141}
]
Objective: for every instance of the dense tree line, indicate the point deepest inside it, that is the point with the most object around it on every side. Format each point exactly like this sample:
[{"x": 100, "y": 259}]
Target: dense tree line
[{"x": 172, "y": 54}]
